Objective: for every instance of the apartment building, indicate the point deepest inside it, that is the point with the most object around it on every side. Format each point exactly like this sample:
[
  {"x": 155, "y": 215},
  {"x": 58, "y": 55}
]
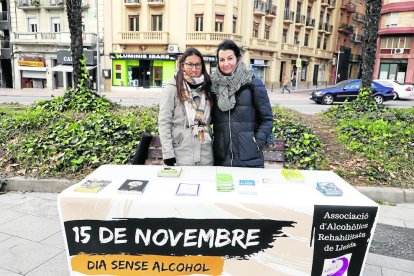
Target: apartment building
[
  {"x": 349, "y": 40},
  {"x": 395, "y": 50},
  {"x": 40, "y": 38},
  {"x": 276, "y": 38},
  {"x": 5, "y": 51}
]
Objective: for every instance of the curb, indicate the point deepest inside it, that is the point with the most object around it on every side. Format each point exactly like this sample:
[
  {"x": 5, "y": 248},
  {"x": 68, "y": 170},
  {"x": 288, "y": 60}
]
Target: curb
[{"x": 387, "y": 194}]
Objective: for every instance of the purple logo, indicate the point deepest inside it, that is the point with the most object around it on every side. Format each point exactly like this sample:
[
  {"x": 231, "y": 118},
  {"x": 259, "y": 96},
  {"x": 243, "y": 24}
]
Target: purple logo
[{"x": 337, "y": 266}]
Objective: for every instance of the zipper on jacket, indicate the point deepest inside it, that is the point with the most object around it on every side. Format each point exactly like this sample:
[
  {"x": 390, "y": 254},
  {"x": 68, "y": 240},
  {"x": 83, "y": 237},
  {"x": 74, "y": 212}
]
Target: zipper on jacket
[
  {"x": 254, "y": 139},
  {"x": 231, "y": 143}
]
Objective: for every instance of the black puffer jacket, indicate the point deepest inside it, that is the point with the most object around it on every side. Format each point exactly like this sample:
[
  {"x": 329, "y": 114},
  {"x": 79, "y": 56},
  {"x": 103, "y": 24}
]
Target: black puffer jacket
[{"x": 241, "y": 133}]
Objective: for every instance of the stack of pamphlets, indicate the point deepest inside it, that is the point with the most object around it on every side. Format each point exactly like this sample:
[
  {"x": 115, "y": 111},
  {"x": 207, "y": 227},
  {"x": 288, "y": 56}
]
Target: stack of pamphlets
[
  {"x": 92, "y": 186},
  {"x": 328, "y": 189},
  {"x": 188, "y": 189},
  {"x": 247, "y": 187},
  {"x": 133, "y": 186},
  {"x": 224, "y": 182},
  {"x": 173, "y": 171},
  {"x": 293, "y": 175}
]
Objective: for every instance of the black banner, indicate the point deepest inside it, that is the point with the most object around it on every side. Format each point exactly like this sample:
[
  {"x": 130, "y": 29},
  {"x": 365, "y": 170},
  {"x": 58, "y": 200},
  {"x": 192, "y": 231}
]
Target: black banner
[
  {"x": 341, "y": 235},
  {"x": 230, "y": 238}
]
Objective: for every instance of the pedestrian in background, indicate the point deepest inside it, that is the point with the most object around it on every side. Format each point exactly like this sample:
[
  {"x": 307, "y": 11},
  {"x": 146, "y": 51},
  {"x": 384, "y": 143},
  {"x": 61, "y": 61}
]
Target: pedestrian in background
[
  {"x": 285, "y": 84},
  {"x": 185, "y": 114},
  {"x": 242, "y": 115}
]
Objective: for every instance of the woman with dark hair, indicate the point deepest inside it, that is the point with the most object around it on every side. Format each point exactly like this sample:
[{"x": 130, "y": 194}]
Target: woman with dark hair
[
  {"x": 184, "y": 117},
  {"x": 242, "y": 113}
]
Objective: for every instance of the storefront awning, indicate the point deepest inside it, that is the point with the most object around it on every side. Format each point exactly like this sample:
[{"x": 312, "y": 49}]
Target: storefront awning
[
  {"x": 67, "y": 68},
  {"x": 30, "y": 68}
]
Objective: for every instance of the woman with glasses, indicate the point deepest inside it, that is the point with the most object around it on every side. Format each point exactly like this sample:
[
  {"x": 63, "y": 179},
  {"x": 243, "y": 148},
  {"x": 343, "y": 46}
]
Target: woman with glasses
[
  {"x": 184, "y": 117},
  {"x": 242, "y": 113}
]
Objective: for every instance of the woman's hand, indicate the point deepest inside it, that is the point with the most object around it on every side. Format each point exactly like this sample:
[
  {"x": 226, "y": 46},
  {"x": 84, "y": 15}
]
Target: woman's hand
[{"x": 170, "y": 161}]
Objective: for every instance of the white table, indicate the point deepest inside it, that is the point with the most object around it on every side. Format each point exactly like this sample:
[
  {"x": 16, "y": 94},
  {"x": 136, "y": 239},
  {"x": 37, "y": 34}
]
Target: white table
[{"x": 286, "y": 229}]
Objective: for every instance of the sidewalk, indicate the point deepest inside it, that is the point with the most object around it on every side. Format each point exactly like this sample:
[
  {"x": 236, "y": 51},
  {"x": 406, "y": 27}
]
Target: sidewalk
[{"x": 31, "y": 241}]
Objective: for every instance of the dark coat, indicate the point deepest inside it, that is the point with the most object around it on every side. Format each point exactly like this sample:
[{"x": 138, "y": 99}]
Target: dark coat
[{"x": 241, "y": 133}]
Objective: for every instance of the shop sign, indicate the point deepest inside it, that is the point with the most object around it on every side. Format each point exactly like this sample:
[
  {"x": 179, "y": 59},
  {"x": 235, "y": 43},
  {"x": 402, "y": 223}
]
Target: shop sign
[
  {"x": 65, "y": 57},
  {"x": 210, "y": 59},
  {"x": 117, "y": 56},
  {"x": 31, "y": 63}
]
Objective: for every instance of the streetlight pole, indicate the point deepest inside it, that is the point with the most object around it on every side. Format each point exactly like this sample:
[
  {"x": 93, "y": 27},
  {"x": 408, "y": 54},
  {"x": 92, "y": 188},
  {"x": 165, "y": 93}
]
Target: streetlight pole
[
  {"x": 337, "y": 66},
  {"x": 298, "y": 62},
  {"x": 98, "y": 53}
]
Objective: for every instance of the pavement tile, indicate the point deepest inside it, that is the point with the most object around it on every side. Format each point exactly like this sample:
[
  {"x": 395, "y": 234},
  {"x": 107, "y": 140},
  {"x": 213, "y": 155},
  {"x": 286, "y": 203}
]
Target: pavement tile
[
  {"x": 372, "y": 270},
  {"x": 7, "y": 215},
  {"x": 4, "y": 272},
  {"x": 55, "y": 240},
  {"x": 12, "y": 199},
  {"x": 57, "y": 266},
  {"x": 21, "y": 256},
  {"x": 390, "y": 272},
  {"x": 42, "y": 207},
  {"x": 390, "y": 263},
  {"x": 395, "y": 212},
  {"x": 409, "y": 223},
  {"x": 391, "y": 221},
  {"x": 4, "y": 237},
  {"x": 31, "y": 227}
]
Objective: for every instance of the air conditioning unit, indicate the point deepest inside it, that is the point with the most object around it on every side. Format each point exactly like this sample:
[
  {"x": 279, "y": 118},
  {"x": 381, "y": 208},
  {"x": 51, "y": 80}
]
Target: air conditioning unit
[
  {"x": 399, "y": 51},
  {"x": 173, "y": 48}
]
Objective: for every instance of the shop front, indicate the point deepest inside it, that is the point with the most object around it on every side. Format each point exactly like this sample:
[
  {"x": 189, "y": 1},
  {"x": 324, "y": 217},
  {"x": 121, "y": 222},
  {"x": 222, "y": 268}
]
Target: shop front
[
  {"x": 142, "y": 70},
  {"x": 32, "y": 72},
  {"x": 393, "y": 69}
]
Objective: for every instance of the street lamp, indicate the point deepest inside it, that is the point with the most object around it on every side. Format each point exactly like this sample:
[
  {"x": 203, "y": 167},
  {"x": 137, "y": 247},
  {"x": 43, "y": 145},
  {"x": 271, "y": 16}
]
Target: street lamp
[
  {"x": 337, "y": 65},
  {"x": 98, "y": 53}
]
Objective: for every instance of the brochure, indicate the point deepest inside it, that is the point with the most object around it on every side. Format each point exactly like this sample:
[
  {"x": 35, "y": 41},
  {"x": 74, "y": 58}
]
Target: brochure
[
  {"x": 224, "y": 182},
  {"x": 328, "y": 189},
  {"x": 188, "y": 189},
  {"x": 92, "y": 186},
  {"x": 293, "y": 175},
  {"x": 133, "y": 186},
  {"x": 172, "y": 171},
  {"x": 247, "y": 187}
]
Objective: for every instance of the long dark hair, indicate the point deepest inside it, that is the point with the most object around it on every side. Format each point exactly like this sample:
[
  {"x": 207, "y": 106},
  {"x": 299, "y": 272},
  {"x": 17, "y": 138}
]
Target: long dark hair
[{"x": 180, "y": 75}]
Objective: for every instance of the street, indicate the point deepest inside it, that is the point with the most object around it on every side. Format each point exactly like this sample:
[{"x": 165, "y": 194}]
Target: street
[{"x": 297, "y": 100}]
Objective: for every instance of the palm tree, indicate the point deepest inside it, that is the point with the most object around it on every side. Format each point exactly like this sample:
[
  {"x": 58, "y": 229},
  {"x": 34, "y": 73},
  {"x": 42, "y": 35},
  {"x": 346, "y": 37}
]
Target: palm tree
[
  {"x": 372, "y": 16},
  {"x": 74, "y": 13}
]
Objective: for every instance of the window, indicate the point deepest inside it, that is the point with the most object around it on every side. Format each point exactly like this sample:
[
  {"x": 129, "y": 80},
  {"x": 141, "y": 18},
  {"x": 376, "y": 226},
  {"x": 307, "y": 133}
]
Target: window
[
  {"x": 32, "y": 25},
  {"x": 198, "y": 23},
  {"x": 267, "y": 32},
  {"x": 234, "y": 24},
  {"x": 306, "y": 42},
  {"x": 218, "y": 27},
  {"x": 395, "y": 42},
  {"x": 133, "y": 23},
  {"x": 284, "y": 35},
  {"x": 392, "y": 19},
  {"x": 255, "y": 29},
  {"x": 325, "y": 43},
  {"x": 55, "y": 24},
  {"x": 157, "y": 23},
  {"x": 318, "y": 42},
  {"x": 296, "y": 38}
]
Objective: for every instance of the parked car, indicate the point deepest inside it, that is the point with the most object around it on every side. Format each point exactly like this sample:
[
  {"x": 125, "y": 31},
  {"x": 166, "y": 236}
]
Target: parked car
[
  {"x": 348, "y": 90},
  {"x": 401, "y": 90}
]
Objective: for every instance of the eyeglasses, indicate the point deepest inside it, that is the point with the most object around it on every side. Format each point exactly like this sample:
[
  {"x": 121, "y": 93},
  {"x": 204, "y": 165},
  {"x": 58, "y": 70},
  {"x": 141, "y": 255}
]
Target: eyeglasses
[{"x": 191, "y": 65}]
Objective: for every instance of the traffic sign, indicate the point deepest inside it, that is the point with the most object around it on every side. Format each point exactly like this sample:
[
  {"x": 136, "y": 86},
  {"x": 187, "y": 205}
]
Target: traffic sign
[{"x": 298, "y": 62}]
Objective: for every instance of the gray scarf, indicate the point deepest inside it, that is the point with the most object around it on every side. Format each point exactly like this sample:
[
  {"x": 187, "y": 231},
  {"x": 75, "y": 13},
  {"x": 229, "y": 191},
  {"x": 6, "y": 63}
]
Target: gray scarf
[{"x": 225, "y": 87}]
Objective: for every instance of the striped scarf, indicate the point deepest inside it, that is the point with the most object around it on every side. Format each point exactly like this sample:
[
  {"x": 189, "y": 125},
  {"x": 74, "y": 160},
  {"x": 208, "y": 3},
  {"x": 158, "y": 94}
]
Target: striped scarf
[{"x": 197, "y": 116}]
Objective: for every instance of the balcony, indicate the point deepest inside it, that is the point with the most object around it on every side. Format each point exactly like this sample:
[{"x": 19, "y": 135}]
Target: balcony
[
  {"x": 263, "y": 44},
  {"x": 271, "y": 11},
  {"x": 41, "y": 38},
  {"x": 259, "y": 7},
  {"x": 321, "y": 28},
  {"x": 356, "y": 38},
  {"x": 132, "y": 3},
  {"x": 323, "y": 54},
  {"x": 300, "y": 20},
  {"x": 294, "y": 49},
  {"x": 4, "y": 21},
  {"x": 328, "y": 28},
  {"x": 324, "y": 3},
  {"x": 288, "y": 16},
  {"x": 142, "y": 38},
  {"x": 348, "y": 6},
  {"x": 331, "y": 4},
  {"x": 359, "y": 18},
  {"x": 5, "y": 51},
  {"x": 310, "y": 23},
  {"x": 346, "y": 29},
  {"x": 28, "y": 4},
  {"x": 212, "y": 39},
  {"x": 156, "y": 3},
  {"x": 54, "y": 5}
]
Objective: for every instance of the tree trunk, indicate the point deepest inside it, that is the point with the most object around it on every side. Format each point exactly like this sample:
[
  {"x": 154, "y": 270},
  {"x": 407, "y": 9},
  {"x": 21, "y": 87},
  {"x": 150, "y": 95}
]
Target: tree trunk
[
  {"x": 369, "y": 46},
  {"x": 74, "y": 13}
]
